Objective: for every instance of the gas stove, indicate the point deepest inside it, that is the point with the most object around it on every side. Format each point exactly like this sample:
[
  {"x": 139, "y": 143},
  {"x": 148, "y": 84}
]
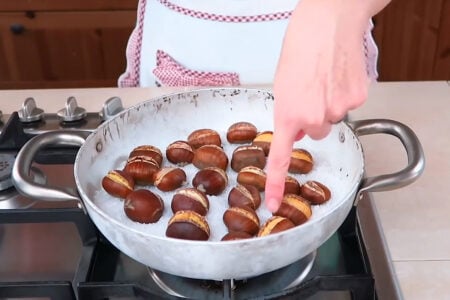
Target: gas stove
[{"x": 52, "y": 250}]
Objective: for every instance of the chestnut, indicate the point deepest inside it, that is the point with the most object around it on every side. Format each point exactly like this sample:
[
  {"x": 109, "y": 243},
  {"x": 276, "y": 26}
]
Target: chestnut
[
  {"x": 264, "y": 139},
  {"x": 169, "y": 179},
  {"x": 244, "y": 195},
  {"x": 242, "y": 219},
  {"x": 241, "y": 133},
  {"x": 210, "y": 156},
  {"x": 211, "y": 181},
  {"x": 244, "y": 156},
  {"x": 275, "y": 224},
  {"x": 143, "y": 206},
  {"x": 142, "y": 169},
  {"x": 291, "y": 186},
  {"x": 148, "y": 151},
  {"x": 190, "y": 199},
  {"x": 315, "y": 192},
  {"x": 252, "y": 176},
  {"x": 188, "y": 225},
  {"x": 180, "y": 153},
  {"x": 236, "y": 235},
  {"x": 301, "y": 161},
  {"x": 295, "y": 208},
  {"x": 118, "y": 183},
  {"x": 202, "y": 137}
]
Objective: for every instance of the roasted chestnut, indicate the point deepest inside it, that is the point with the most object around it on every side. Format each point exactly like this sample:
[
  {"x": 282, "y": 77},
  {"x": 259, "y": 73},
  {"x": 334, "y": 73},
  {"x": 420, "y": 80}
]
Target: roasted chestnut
[
  {"x": 301, "y": 161},
  {"x": 295, "y": 208},
  {"x": 118, "y": 183},
  {"x": 245, "y": 156},
  {"x": 202, "y": 137},
  {"x": 244, "y": 195},
  {"x": 252, "y": 176},
  {"x": 190, "y": 199},
  {"x": 169, "y": 179},
  {"x": 241, "y": 133},
  {"x": 210, "y": 156},
  {"x": 180, "y": 153},
  {"x": 210, "y": 180},
  {"x": 143, "y": 206},
  {"x": 275, "y": 224},
  {"x": 142, "y": 169},
  {"x": 315, "y": 192},
  {"x": 263, "y": 139},
  {"x": 242, "y": 219},
  {"x": 291, "y": 185},
  {"x": 188, "y": 225},
  {"x": 148, "y": 151},
  {"x": 236, "y": 235}
]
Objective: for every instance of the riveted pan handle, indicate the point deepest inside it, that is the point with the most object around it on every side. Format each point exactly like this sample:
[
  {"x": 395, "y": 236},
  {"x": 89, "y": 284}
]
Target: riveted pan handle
[
  {"x": 21, "y": 175},
  {"x": 414, "y": 151}
]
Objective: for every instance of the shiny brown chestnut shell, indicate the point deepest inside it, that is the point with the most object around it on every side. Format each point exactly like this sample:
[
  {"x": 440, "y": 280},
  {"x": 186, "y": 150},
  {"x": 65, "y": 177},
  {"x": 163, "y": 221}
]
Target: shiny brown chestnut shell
[
  {"x": 201, "y": 137},
  {"x": 169, "y": 179},
  {"x": 210, "y": 156},
  {"x": 315, "y": 192},
  {"x": 117, "y": 183},
  {"x": 142, "y": 169},
  {"x": 188, "y": 225},
  {"x": 295, "y": 208},
  {"x": 143, "y": 206},
  {"x": 245, "y": 156},
  {"x": 301, "y": 161},
  {"x": 241, "y": 219},
  {"x": 236, "y": 235},
  {"x": 244, "y": 195},
  {"x": 180, "y": 153},
  {"x": 148, "y": 151},
  {"x": 291, "y": 186},
  {"x": 241, "y": 133},
  {"x": 264, "y": 139},
  {"x": 211, "y": 181},
  {"x": 252, "y": 176},
  {"x": 190, "y": 199},
  {"x": 274, "y": 225}
]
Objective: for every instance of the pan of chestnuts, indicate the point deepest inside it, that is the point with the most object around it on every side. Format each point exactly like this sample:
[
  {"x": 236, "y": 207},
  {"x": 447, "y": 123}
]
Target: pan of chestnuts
[{"x": 177, "y": 182}]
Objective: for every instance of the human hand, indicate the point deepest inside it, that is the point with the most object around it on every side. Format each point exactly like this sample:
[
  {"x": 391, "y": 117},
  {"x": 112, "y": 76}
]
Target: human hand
[{"x": 321, "y": 75}]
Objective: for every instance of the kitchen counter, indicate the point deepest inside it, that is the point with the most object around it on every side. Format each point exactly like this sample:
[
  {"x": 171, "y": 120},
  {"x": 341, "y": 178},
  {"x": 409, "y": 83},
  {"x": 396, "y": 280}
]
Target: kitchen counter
[{"x": 414, "y": 220}]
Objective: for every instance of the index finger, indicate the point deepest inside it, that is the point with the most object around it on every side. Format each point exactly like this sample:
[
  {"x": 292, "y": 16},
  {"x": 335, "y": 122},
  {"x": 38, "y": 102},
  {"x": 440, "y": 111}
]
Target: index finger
[{"x": 277, "y": 165}]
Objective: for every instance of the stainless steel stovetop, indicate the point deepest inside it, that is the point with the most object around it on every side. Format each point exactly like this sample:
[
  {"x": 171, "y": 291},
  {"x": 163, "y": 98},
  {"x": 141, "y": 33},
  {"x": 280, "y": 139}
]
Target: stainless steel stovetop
[{"x": 52, "y": 250}]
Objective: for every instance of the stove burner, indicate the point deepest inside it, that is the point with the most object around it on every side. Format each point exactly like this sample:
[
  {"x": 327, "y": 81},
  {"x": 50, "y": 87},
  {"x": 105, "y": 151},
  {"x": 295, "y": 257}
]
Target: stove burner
[{"x": 267, "y": 283}]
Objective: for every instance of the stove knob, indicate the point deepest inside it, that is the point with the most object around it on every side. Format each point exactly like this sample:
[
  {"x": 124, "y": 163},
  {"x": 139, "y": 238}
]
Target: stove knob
[
  {"x": 30, "y": 112},
  {"x": 72, "y": 112},
  {"x": 112, "y": 107}
]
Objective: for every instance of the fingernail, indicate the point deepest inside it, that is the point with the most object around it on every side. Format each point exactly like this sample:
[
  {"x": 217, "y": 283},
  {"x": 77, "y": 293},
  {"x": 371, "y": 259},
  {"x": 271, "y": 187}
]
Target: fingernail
[{"x": 272, "y": 205}]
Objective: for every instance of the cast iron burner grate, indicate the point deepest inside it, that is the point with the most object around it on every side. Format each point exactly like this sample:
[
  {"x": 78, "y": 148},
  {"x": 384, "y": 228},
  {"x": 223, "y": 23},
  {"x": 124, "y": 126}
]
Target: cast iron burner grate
[{"x": 339, "y": 267}]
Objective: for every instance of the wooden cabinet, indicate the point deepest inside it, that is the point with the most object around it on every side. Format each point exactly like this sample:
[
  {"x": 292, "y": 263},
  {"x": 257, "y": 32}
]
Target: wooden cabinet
[
  {"x": 413, "y": 37},
  {"x": 57, "y": 43}
]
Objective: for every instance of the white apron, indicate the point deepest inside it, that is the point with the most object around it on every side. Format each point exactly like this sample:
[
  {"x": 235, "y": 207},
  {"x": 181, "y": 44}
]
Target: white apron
[{"x": 211, "y": 43}]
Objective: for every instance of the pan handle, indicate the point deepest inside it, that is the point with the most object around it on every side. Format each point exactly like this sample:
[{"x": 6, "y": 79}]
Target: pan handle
[
  {"x": 414, "y": 151},
  {"x": 21, "y": 175}
]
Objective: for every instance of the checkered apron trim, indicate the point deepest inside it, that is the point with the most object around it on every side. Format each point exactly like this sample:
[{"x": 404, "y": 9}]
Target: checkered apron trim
[
  {"x": 224, "y": 18},
  {"x": 133, "y": 52},
  {"x": 170, "y": 73}
]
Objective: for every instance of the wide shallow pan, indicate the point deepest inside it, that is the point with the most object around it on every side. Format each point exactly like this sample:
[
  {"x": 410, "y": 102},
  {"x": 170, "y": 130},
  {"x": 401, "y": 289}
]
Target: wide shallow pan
[{"x": 339, "y": 164}]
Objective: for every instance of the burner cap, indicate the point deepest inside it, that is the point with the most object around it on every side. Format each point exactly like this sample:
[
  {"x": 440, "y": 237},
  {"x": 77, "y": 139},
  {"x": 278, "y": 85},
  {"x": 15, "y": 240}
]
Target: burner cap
[
  {"x": 262, "y": 285},
  {"x": 6, "y": 166}
]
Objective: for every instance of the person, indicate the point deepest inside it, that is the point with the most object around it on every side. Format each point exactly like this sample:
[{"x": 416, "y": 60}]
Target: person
[{"x": 318, "y": 54}]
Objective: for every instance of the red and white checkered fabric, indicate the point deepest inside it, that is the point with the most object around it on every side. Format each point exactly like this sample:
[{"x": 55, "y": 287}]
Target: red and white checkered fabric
[
  {"x": 225, "y": 18},
  {"x": 170, "y": 73}
]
